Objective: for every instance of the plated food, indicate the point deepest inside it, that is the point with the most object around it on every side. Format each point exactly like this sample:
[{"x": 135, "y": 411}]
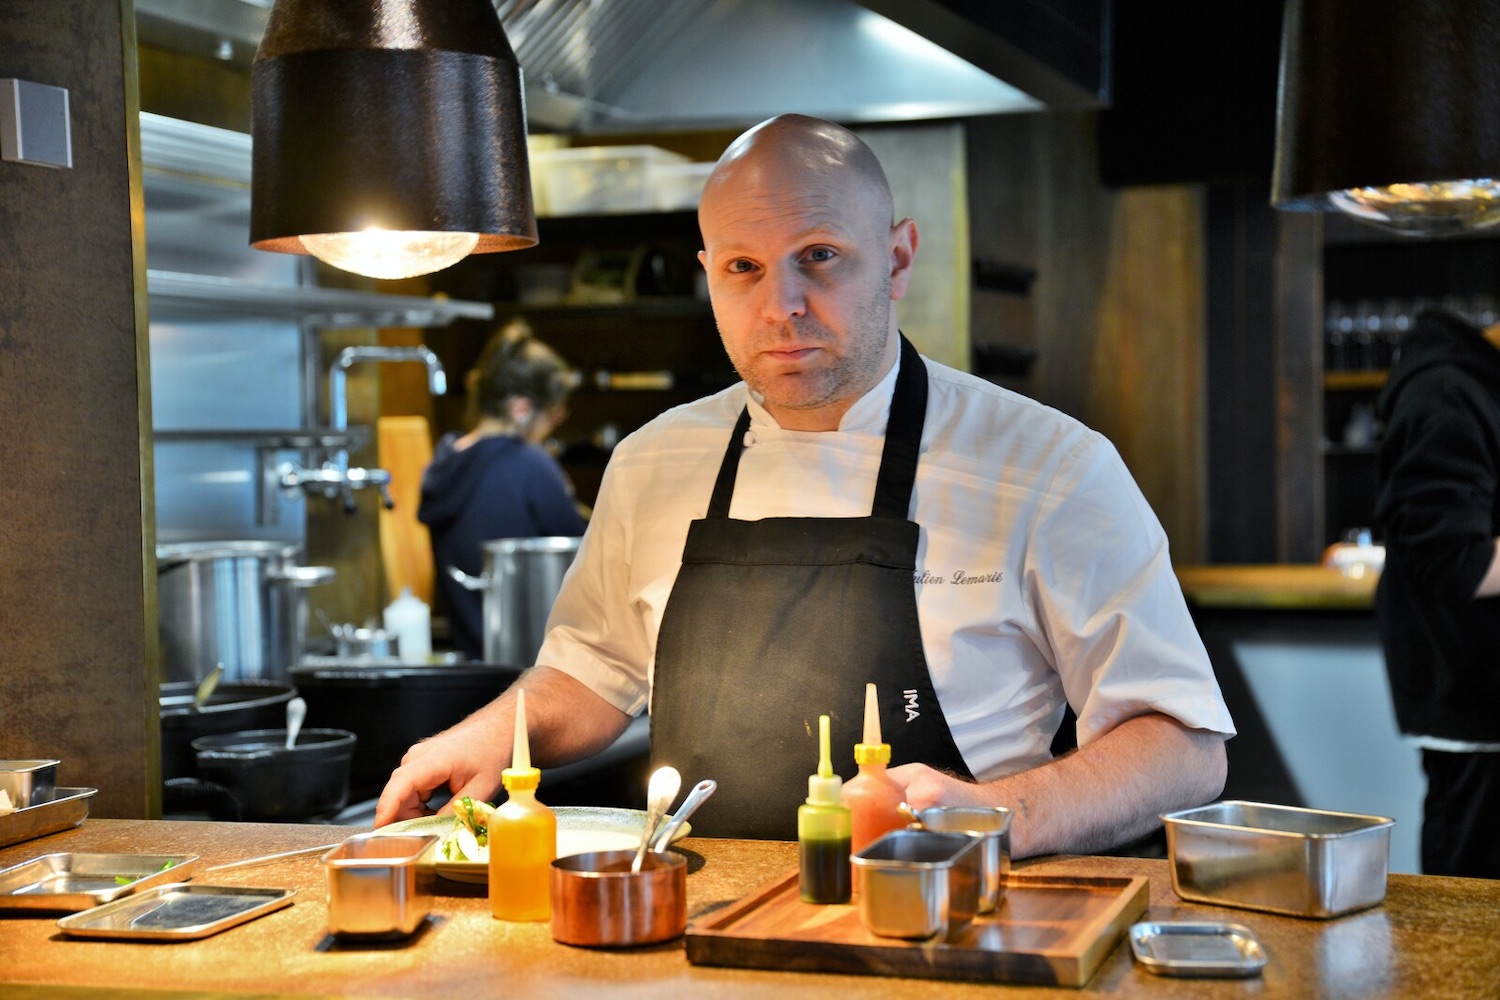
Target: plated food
[{"x": 462, "y": 857}]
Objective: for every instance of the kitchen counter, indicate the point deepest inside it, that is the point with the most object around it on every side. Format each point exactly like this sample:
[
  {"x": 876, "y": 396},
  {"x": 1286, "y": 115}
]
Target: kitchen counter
[
  {"x": 1280, "y": 587},
  {"x": 1432, "y": 937}
]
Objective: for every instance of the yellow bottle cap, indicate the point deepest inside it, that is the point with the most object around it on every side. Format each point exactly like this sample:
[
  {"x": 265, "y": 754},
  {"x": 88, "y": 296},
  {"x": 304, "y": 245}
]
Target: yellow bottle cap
[{"x": 871, "y": 750}]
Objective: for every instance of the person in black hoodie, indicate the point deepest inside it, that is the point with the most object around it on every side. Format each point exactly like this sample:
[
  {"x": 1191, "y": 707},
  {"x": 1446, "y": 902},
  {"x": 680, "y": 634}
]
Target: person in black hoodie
[
  {"x": 497, "y": 481},
  {"x": 1438, "y": 600}
]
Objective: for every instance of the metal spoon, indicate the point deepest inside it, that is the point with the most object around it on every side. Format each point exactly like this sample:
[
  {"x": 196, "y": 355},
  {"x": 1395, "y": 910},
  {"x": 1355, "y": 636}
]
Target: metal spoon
[
  {"x": 701, "y": 791},
  {"x": 206, "y": 687},
  {"x": 296, "y": 711},
  {"x": 660, "y": 791}
]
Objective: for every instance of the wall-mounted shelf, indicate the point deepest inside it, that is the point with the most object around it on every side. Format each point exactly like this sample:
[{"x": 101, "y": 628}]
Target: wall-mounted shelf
[{"x": 175, "y": 295}]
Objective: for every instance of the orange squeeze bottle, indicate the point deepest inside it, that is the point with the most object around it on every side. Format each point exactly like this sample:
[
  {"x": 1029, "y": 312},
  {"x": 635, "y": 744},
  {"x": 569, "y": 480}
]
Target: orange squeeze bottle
[
  {"x": 522, "y": 838},
  {"x": 874, "y": 800}
]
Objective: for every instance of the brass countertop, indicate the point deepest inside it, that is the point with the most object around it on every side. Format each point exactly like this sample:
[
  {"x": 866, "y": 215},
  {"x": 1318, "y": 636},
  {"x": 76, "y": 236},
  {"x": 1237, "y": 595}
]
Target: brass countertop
[
  {"x": 1280, "y": 587},
  {"x": 1432, "y": 937}
]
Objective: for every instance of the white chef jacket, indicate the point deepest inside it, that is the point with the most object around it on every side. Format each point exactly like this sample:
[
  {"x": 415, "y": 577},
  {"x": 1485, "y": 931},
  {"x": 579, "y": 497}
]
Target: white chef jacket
[{"x": 1042, "y": 574}]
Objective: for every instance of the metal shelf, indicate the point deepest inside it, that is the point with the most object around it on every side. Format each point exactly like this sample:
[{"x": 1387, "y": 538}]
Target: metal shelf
[
  {"x": 298, "y": 438},
  {"x": 174, "y": 295}
]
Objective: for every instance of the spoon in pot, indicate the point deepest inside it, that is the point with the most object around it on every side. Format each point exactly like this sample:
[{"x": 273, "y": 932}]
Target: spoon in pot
[
  {"x": 701, "y": 791},
  {"x": 296, "y": 711},
  {"x": 660, "y": 791},
  {"x": 206, "y": 687}
]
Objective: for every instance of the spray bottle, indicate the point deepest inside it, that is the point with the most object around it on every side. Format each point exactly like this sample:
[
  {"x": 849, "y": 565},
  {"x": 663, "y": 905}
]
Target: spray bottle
[
  {"x": 522, "y": 838},
  {"x": 823, "y": 832},
  {"x": 874, "y": 800}
]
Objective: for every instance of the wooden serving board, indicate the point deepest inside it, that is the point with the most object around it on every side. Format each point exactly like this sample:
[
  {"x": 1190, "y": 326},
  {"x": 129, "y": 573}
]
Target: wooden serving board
[{"x": 1049, "y": 929}]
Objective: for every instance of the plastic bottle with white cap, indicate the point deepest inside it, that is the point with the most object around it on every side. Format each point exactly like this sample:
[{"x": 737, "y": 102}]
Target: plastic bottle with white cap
[{"x": 409, "y": 618}]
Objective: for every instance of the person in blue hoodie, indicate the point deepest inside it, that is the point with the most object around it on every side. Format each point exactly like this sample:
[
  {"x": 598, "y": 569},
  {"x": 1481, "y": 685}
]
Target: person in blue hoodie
[
  {"x": 497, "y": 480},
  {"x": 1438, "y": 600}
]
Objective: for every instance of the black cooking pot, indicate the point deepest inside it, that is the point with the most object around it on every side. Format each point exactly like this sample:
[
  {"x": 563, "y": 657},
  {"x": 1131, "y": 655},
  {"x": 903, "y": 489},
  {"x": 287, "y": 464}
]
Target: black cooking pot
[
  {"x": 392, "y": 707},
  {"x": 264, "y": 780},
  {"x": 233, "y": 707}
]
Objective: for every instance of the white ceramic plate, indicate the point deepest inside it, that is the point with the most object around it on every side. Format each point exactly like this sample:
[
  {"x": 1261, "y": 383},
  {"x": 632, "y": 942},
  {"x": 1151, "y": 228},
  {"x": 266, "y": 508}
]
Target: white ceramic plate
[{"x": 580, "y": 829}]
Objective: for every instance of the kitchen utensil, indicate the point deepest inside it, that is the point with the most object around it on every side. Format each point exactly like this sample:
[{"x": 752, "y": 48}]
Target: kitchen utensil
[
  {"x": 234, "y": 706},
  {"x": 206, "y": 686},
  {"x": 242, "y": 603},
  {"x": 918, "y": 884},
  {"x": 377, "y": 886},
  {"x": 1282, "y": 859},
  {"x": 1187, "y": 948},
  {"x": 50, "y": 811},
  {"x": 701, "y": 791},
  {"x": 660, "y": 791},
  {"x": 296, "y": 711},
  {"x": 355, "y": 643},
  {"x": 991, "y": 824},
  {"x": 266, "y": 859},
  {"x": 266, "y": 781},
  {"x": 520, "y": 581},
  {"x": 176, "y": 912},
  {"x": 72, "y": 882},
  {"x": 601, "y": 899},
  {"x": 23, "y": 780}
]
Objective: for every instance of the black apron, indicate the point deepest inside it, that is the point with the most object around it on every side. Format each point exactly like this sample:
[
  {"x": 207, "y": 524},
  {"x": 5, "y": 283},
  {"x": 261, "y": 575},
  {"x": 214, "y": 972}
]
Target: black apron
[{"x": 772, "y": 623}]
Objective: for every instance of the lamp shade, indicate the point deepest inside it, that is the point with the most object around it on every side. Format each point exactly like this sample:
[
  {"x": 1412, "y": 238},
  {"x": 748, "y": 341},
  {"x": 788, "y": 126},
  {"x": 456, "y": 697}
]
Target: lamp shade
[
  {"x": 1395, "y": 99},
  {"x": 403, "y": 116}
]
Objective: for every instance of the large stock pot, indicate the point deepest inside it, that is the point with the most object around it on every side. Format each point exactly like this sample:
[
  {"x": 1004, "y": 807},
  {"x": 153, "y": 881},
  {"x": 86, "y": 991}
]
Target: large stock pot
[
  {"x": 521, "y": 579},
  {"x": 239, "y": 603}
]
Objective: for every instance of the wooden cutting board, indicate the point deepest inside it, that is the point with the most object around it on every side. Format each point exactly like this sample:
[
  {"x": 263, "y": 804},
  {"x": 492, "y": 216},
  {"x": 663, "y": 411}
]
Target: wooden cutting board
[{"x": 1049, "y": 929}]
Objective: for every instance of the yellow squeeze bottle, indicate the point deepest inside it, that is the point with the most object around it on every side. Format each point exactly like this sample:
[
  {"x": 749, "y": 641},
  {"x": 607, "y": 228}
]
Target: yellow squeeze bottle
[
  {"x": 874, "y": 800},
  {"x": 522, "y": 838}
]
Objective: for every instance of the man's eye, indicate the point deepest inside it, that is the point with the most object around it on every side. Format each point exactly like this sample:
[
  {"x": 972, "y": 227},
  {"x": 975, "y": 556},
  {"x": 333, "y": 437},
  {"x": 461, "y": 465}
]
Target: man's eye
[
  {"x": 740, "y": 266},
  {"x": 820, "y": 253}
]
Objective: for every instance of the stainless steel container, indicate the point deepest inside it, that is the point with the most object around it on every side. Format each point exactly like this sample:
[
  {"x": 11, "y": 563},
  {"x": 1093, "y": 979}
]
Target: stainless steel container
[
  {"x": 598, "y": 901},
  {"x": 25, "y": 780},
  {"x": 1282, "y": 859},
  {"x": 380, "y": 886},
  {"x": 918, "y": 884},
  {"x": 991, "y": 824},
  {"x": 521, "y": 579},
  {"x": 240, "y": 603}
]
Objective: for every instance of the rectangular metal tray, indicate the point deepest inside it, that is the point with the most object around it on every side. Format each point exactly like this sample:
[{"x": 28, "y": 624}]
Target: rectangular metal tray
[
  {"x": 176, "y": 912},
  {"x": 60, "y": 809},
  {"x": 23, "y": 780},
  {"x": 78, "y": 881},
  {"x": 1172, "y": 948}
]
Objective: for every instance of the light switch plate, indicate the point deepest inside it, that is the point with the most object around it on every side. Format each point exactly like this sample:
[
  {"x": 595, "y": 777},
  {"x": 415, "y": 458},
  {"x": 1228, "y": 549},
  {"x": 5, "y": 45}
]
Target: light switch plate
[{"x": 34, "y": 124}]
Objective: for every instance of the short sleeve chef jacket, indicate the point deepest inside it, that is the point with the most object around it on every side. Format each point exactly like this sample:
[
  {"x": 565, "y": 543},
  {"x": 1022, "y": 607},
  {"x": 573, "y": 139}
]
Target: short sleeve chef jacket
[{"x": 1042, "y": 574}]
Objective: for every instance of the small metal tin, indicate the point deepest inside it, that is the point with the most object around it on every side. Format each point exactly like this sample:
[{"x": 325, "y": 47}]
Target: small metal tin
[
  {"x": 1170, "y": 948},
  {"x": 23, "y": 780},
  {"x": 1281, "y": 859},
  {"x": 78, "y": 881},
  {"x": 918, "y": 884},
  {"x": 380, "y": 886},
  {"x": 176, "y": 912},
  {"x": 991, "y": 824}
]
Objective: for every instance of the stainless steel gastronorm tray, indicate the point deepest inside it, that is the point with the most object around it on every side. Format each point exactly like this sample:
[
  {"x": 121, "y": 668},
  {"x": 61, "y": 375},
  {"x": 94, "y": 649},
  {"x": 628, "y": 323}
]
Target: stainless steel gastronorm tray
[
  {"x": 1171, "y": 948},
  {"x": 176, "y": 912},
  {"x": 80, "y": 881},
  {"x": 59, "y": 809},
  {"x": 23, "y": 780}
]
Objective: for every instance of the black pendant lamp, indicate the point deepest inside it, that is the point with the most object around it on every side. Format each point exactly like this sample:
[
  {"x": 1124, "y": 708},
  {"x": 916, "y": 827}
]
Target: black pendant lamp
[
  {"x": 1389, "y": 110},
  {"x": 388, "y": 136}
]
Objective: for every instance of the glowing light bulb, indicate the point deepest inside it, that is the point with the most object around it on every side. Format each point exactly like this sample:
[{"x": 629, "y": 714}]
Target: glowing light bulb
[
  {"x": 1439, "y": 208},
  {"x": 384, "y": 253}
]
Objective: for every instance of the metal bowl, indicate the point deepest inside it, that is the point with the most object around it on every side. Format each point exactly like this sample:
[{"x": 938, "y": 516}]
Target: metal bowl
[
  {"x": 991, "y": 824},
  {"x": 597, "y": 901}
]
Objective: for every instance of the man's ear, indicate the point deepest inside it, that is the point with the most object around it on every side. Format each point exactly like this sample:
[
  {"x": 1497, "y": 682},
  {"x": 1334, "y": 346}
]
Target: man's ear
[{"x": 903, "y": 255}]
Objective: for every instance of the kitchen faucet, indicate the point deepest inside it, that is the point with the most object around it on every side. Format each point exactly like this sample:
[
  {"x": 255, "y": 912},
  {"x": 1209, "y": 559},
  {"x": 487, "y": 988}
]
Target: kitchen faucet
[{"x": 335, "y": 478}]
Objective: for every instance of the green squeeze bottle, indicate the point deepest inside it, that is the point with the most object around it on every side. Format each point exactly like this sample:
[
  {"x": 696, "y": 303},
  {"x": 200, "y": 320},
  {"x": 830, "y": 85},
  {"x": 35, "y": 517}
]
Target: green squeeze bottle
[{"x": 823, "y": 829}]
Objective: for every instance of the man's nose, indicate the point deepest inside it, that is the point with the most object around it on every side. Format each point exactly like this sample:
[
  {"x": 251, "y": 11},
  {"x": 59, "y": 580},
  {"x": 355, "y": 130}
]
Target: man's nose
[{"x": 783, "y": 294}]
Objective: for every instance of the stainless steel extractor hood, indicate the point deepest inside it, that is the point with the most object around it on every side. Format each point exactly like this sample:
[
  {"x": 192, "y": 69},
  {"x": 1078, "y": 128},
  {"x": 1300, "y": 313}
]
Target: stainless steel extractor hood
[{"x": 595, "y": 67}]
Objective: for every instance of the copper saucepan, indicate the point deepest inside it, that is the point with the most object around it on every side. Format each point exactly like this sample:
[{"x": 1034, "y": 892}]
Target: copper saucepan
[{"x": 597, "y": 901}]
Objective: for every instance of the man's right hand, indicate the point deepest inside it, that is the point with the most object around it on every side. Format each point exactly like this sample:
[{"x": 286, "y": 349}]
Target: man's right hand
[{"x": 467, "y": 758}]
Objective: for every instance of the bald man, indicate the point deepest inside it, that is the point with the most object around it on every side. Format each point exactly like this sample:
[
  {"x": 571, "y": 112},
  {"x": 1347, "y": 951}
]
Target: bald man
[{"x": 851, "y": 513}]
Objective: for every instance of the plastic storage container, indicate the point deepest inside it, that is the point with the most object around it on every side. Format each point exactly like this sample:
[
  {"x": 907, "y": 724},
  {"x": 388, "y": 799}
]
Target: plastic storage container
[
  {"x": 677, "y": 187},
  {"x": 601, "y": 179},
  {"x": 410, "y": 620}
]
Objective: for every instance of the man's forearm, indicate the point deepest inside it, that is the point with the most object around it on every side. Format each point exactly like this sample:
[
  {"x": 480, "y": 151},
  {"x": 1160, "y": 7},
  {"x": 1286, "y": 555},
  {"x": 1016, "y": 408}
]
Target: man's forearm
[
  {"x": 1111, "y": 791},
  {"x": 565, "y": 720}
]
